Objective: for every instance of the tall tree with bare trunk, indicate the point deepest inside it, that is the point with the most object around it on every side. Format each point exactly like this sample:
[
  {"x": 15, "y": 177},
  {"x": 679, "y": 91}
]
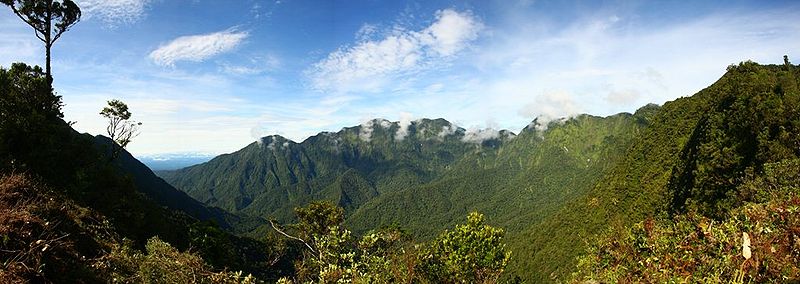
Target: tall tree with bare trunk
[{"x": 49, "y": 19}]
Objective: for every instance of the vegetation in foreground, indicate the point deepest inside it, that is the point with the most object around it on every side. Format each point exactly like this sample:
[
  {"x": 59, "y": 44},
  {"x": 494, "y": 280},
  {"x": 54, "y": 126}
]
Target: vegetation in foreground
[
  {"x": 758, "y": 242},
  {"x": 70, "y": 213},
  {"x": 703, "y": 189}
]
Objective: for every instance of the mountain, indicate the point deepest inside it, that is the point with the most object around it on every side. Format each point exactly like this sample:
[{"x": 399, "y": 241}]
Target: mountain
[
  {"x": 424, "y": 182},
  {"x": 163, "y": 194},
  {"x": 272, "y": 176},
  {"x": 696, "y": 156},
  {"x": 557, "y": 189}
]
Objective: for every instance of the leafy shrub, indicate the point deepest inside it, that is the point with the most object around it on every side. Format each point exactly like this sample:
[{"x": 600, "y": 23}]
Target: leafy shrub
[
  {"x": 758, "y": 243},
  {"x": 471, "y": 253},
  {"x": 162, "y": 263}
]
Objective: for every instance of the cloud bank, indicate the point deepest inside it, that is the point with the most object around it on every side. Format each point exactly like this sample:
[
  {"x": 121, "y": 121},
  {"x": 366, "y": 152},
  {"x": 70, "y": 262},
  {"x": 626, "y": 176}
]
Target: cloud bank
[
  {"x": 197, "y": 48},
  {"x": 366, "y": 64}
]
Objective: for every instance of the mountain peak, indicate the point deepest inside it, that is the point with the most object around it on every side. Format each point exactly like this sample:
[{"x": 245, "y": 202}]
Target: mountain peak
[{"x": 274, "y": 141}]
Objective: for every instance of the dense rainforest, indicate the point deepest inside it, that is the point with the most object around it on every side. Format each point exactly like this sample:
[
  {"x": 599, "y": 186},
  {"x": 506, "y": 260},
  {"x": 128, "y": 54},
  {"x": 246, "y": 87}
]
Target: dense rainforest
[{"x": 701, "y": 189}]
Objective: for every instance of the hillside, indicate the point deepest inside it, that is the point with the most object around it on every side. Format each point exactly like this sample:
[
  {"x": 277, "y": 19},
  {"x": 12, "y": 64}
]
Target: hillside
[
  {"x": 576, "y": 179},
  {"x": 61, "y": 189},
  {"x": 695, "y": 156}
]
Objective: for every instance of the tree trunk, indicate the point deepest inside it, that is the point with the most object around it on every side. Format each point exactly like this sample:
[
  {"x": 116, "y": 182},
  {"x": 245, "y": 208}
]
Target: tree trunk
[
  {"x": 48, "y": 43},
  {"x": 47, "y": 63}
]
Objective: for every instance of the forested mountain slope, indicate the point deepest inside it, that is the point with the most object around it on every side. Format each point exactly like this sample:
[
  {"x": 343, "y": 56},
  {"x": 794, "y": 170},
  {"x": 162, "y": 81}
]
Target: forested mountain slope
[
  {"x": 427, "y": 181},
  {"x": 695, "y": 157},
  {"x": 555, "y": 189},
  {"x": 66, "y": 204},
  {"x": 350, "y": 167}
]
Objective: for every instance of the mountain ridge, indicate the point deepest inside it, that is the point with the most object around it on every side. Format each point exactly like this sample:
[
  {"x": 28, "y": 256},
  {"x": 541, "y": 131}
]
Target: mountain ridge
[{"x": 572, "y": 178}]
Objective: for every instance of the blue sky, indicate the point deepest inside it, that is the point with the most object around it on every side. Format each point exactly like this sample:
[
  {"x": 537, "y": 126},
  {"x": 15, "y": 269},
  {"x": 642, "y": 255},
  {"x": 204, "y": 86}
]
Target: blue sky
[{"x": 212, "y": 76}]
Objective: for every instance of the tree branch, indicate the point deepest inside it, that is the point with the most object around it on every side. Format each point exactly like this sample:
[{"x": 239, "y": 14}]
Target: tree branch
[
  {"x": 36, "y": 32},
  {"x": 58, "y": 35},
  {"x": 292, "y": 237},
  {"x": 27, "y": 21}
]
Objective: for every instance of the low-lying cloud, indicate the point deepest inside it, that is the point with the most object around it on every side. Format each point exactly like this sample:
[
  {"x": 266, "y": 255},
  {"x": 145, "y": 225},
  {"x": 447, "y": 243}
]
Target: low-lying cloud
[
  {"x": 366, "y": 128},
  {"x": 549, "y": 107},
  {"x": 478, "y": 135},
  {"x": 404, "y": 123}
]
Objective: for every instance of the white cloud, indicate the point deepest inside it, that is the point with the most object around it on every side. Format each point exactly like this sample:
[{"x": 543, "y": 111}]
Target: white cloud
[
  {"x": 114, "y": 12},
  {"x": 367, "y": 127},
  {"x": 197, "y": 47},
  {"x": 451, "y": 32},
  {"x": 366, "y": 32},
  {"x": 549, "y": 107},
  {"x": 366, "y": 65},
  {"x": 256, "y": 65},
  {"x": 404, "y": 123},
  {"x": 478, "y": 135},
  {"x": 447, "y": 130}
]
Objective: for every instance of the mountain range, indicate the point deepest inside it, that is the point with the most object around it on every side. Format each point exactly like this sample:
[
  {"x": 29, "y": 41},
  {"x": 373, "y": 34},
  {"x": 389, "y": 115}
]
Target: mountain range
[
  {"x": 553, "y": 186},
  {"x": 703, "y": 188}
]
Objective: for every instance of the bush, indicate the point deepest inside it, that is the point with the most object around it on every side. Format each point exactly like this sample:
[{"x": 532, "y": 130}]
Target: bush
[{"x": 162, "y": 263}]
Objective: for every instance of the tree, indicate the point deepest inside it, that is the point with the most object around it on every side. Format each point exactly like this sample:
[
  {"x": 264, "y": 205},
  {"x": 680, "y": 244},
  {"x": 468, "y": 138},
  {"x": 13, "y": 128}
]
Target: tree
[
  {"x": 120, "y": 128},
  {"x": 29, "y": 116},
  {"x": 471, "y": 253},
  {"x": 49, "y": 19}
]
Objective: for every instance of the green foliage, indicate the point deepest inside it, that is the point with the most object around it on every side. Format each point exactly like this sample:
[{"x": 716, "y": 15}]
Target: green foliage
[
  {"x": 471, "y": 253},
  {"x": 29, "y": 117},
  {"x": 318, "y": 218},
  {"x": 756, "y": 121},
  {"x": 700, "y": 171},
  {"x": 656, "y": 174},
  {"x": 164, "y": 264},
  {"x": 424, "y": 183},
  {"x": 519, "y": 185},
  {"x": 697, "y": 249},
  {"x": 124, "y": 197}
]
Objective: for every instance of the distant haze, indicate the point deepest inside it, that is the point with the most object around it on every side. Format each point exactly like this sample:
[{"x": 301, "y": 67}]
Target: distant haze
[{"x": 174, "y": 161}]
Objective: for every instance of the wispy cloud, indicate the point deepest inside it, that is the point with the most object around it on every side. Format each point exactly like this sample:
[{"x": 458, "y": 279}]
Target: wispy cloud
[
  {"x": 114, "y": 12},
  {"x": 197, "y": 47},
  {"x": 368, "y": 63},
  {"x": 256, "y": 65},
  {"x": 17, "y": 42}
]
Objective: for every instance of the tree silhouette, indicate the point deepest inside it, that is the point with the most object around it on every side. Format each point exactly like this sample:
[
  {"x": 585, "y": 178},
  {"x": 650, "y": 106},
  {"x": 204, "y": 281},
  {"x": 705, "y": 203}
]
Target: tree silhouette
[
  {"x": 120, "y": 128},
  {"x": 49, "y": 19}
]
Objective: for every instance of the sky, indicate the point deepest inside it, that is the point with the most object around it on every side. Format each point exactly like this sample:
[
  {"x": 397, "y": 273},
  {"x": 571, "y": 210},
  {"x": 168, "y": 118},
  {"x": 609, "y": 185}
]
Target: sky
[{"x": 209, "y": 76}]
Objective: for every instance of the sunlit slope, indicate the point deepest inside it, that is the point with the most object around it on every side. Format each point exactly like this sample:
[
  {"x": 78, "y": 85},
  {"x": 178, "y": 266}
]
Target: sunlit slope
[
  {"x": 693, "y": 155},
  {"x": 351, "y": 166}
]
